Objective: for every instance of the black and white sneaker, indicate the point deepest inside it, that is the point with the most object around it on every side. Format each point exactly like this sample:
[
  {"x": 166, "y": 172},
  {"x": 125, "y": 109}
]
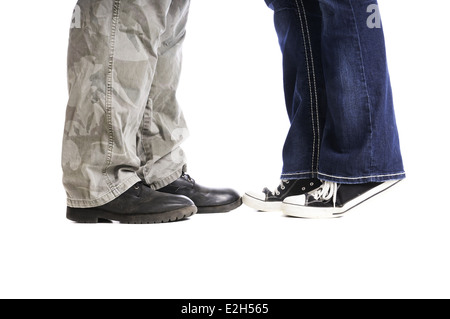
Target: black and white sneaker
[
  {"x": 332, "y": 200},
  {"x": 269, "y": 201}
]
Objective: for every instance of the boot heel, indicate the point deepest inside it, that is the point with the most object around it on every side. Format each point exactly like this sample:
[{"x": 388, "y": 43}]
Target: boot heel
[{"x": 82, "y": 215}]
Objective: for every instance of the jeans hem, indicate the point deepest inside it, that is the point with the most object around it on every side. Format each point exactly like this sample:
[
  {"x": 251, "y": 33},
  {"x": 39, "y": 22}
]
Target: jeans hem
[
  {"x": 298, "y": 175},
  {"x": 344, "y": 180},
  {"x": 362, "y": 179},
  {"x": 105, "y": 199}
]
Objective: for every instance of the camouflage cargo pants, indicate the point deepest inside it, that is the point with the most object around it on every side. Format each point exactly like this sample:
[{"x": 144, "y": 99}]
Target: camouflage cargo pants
[{"x": 123, "y": 123}]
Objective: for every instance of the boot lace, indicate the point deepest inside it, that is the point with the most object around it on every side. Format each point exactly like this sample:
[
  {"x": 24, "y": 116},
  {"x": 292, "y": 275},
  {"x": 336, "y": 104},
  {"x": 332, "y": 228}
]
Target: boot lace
[{"x": 188, "y": 178}]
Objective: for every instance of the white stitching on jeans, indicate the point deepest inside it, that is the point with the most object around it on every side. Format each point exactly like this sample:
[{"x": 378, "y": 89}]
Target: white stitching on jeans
[
  {"x": 362, "y": 177},
  {"x": 346, "y": 178},
  {"x": 305, "y": 39},
  {"x": 315, "y": 90},
  {"x": 294, "y": 174}
]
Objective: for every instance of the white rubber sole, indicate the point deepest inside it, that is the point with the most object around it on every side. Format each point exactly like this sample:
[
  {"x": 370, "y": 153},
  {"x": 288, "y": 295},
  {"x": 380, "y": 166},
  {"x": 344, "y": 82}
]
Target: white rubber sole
[
  {"x": 260, "y": 204},
  {"x": 294, "y": 206}
]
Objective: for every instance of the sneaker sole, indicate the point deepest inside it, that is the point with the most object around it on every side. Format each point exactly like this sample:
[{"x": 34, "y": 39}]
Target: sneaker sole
[
  {"x": 261, "y": 205},
  {"x": 219, "y": 209},
  {"x": 301, "y": 211},
  {"x": 94, "y": 216}
]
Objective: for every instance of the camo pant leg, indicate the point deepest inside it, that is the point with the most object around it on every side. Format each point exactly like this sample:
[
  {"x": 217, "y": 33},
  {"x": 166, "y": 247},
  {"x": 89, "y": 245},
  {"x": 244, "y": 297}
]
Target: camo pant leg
[
  {"x": 164, "y": 128},
  {"x": 123, "y": 124}
]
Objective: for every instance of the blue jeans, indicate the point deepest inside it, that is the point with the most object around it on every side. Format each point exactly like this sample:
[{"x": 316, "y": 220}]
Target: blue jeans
[{"x": 338, "y": 93}]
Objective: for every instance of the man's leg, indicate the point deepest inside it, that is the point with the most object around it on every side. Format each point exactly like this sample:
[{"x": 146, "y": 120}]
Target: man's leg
[
  {"x": 339, "y": 101},
  {"x": 112, "y": 60},
  {"x": 360, "y": 141},
  {"x": 163, "y": 128},
  {"x": 359, "y": 151},
  {"x": 298, "y": 26}
]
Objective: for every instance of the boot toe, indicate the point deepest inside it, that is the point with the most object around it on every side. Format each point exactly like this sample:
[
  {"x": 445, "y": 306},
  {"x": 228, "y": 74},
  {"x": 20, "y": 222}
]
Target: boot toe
[{"x": 218, "y": 201}]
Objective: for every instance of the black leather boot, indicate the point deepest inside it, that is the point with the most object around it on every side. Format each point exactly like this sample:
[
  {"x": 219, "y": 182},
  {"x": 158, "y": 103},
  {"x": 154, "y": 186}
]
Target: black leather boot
[
  {"x": 207, "y": 200},
  {"x": 138, "y": 205}
]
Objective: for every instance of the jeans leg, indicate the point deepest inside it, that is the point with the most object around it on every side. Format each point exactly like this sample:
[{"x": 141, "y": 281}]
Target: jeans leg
[
  {"x": 360, "y": 142},
  {"x": 337, "y": 90},
  {"x": 298, "y": 26}
]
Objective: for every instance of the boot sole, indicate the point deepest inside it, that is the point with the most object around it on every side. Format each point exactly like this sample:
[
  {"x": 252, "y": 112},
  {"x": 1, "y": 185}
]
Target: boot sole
[
  {"x": 220, "y": 209},
  {"x": 94, "y": 216}
]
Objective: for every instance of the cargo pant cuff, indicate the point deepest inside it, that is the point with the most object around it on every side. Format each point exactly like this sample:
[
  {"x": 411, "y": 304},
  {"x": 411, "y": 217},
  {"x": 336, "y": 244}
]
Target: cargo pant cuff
[
  {"x": 106, "y": 198},
  {"x": 169, "y": 179}
]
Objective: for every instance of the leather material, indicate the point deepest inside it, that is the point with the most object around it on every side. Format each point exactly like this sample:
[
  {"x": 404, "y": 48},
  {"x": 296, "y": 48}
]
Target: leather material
[
  {"x": 138, "y": 205},
  {"x": 200, "y": 195},
  {"x": 141, "y": 199}
]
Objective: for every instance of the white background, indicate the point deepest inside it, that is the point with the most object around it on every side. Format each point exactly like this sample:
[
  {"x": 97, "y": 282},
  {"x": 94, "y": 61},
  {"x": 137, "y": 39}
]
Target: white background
[{"x": 394, "y": 246}]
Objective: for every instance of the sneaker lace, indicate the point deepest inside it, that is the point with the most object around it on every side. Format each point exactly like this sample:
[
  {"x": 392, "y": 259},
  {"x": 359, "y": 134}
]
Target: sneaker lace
[
  {"x": 277, "y": 191},
  {"x": 325, "y": 192}
]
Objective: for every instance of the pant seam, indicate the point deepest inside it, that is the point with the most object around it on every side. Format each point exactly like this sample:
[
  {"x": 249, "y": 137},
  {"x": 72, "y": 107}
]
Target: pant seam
[
  {"x": 312, "y": 85},
  {"x": 143, "y": 141},
  {"x": 109, "y": 93},
  {"x": 317, "y": 145}
]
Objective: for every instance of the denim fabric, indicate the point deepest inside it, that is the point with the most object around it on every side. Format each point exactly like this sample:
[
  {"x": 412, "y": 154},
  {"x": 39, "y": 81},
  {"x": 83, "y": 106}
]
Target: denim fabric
[{"x": 337, "y": 91}]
